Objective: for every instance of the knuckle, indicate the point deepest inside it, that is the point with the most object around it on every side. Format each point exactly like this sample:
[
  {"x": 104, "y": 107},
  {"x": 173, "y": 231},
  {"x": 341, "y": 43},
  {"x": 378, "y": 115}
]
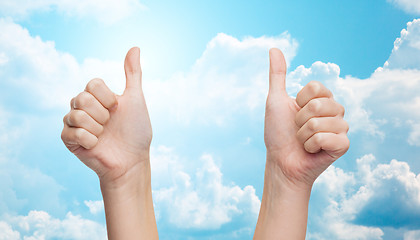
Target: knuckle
[
  {"x": 65, "y": 118},
  {"x": 318, "y": 139},
  {"x": 92, "y": 143},
  {"x": 71, "y": 119},
  {"x": 346, "y": 145},
  {"x": 346, "y": 126},
  {"x": 308, "y": 147},
  {"x": 314, "y": 87},
  {"x": 63, "y": 136},
  {"x": 340, "y": 108},
  {"x": 78, "y": 134},
  {"x": 83, "y": 99},
  {"x": 72, "y": 101},
  {"x": 314, "y": 105},
  {"x": 312, "y": 124},
  {"x": 94, "y": 83},
  {"x": 76, "y": 118}
]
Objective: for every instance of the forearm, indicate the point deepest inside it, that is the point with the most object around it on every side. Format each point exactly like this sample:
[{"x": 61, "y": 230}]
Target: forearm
[
  {"x": 284, "y": 207},
  {"x": 129, "y": 205}
]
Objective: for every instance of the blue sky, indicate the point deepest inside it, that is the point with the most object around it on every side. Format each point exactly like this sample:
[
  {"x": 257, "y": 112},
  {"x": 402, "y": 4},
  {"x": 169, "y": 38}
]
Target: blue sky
[{"x": 205, "y": 80}]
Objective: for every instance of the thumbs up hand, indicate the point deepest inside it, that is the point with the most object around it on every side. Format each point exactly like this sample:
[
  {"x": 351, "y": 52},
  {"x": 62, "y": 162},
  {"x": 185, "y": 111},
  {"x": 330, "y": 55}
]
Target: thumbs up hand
[
  {"x": 111, "y": 134},
  {"x": 305, "y": 135}
]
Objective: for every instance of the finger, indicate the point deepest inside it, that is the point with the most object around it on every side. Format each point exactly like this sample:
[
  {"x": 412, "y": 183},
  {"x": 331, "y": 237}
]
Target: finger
[
  {"x": 278, "y": 69},
  {"x": 87, "y": 102},
  {"x": 333, "y": 144},
  {"x": 74, "y": 137},
  {"x": 133, "y": 69},
  {"x": 102, "y": 93},
  {"x": 80, "y": 119},
  {"x": 324, "y": 124},
  {"x": 312, "y": 90},
  {"x": 318, "y": 107}
]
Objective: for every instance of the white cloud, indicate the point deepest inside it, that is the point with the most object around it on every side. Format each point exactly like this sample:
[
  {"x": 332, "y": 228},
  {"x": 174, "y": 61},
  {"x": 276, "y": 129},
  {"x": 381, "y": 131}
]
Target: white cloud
[
  {"x": 388, "y": 98},
  {"x": 39, "y": 225},
  {"x": 350, "y": 92},
  {"x": 362, "y": 203},
  {"x": 216, "y": 89},
  {"x": 406, "y": 48},
  {"x": 21, "y": 185},
  {"x": 51, "y": 78},
  {"x": 211, "y": 92},
  {"x": 106, "y": 11},
  {"x": 412, "y": 235},
  {"x": 231, "y": 77},
  {"x": 410, "y": 6},
  {"x": 200, "y": 200},
  {"x": 7, "y": 233},
  {"x": 95, "y": 207}
]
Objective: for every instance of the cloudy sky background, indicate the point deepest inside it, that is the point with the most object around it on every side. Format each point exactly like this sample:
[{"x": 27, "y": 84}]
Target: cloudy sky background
[{"x": 205, "y": 76}]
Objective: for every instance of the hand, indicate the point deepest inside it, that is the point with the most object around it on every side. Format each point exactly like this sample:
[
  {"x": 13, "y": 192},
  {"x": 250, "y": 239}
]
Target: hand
[
  {"x": 305, "y": 135},
  {"x": 110, "y": 134}
]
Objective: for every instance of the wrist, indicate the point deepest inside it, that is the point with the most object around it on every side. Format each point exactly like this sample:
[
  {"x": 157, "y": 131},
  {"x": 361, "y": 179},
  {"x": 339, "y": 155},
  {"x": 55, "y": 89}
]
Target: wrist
[
  {"x": 135, "y": 182},
  {"x": 287, "y": 179},
  {"x": 129, "y": 205},
  {"x": 284, "y": 206},
  {"x": 279, "y": 188}
]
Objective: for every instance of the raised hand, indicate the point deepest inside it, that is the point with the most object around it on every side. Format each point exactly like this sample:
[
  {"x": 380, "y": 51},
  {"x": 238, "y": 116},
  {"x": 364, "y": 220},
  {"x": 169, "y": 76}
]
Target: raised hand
[
  {"x": 111, "y": 134},
  {"x": 303, "y": 137}
]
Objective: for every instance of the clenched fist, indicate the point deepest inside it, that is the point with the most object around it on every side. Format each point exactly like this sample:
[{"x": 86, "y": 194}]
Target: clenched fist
[
  {"x": 305, "y": 135},
  {"x": 107, "y": 132}
]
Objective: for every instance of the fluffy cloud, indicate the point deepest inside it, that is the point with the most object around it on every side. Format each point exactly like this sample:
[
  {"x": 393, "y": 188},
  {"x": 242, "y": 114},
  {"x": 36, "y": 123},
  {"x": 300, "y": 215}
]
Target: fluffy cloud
[
  {"x": 107, "y": 11},
  {"x": 51, "y": 78},
  {"x": 200, "y": 200},
  {"x": 410, "y": 6},
  {"x": 212, "y": 91},
  {"x": 21, "y": 185},
  {"x": 95, "y": 207},
  {"x": 350, "y": 92},
  {"x": 362, "y": 203},
  {"x": 231, "y": 77},
  {"x": 38, "y": 225},
  {"x": 412, "y": 235},
  {"x": 387, "y": 99},
  {"x": 7, "y": 233},
  {"x": 406, "y": 48}
]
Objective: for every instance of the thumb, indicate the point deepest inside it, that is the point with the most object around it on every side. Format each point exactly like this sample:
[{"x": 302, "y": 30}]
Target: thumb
[
  {"x": 278, "y": 69},
  {"x": 132, "y": 69}
]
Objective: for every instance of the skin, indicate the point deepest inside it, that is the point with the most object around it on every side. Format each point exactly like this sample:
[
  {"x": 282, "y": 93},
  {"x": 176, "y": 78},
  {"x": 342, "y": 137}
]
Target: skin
[
  {"x": 303, "y": 136},
  {"x": 111, "y": 134}
]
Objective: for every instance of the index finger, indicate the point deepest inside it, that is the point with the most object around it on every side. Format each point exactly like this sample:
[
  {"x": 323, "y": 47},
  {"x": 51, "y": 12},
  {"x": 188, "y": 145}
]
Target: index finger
[
  {"x": 102, "y": 93},
  {"x": 313, "y": 89}
]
